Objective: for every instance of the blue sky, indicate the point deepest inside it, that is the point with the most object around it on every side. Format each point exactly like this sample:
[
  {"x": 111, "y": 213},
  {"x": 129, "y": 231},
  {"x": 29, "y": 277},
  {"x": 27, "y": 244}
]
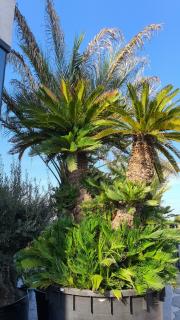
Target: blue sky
[{"x": 129, "y": 16}]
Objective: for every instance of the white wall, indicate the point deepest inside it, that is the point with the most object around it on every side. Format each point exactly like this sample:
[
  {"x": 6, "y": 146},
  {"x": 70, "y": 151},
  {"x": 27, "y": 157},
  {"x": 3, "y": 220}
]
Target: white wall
[{"x": 6, "y": 20}]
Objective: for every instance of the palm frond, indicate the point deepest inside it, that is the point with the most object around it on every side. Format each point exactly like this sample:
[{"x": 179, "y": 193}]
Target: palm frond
[
  {"x": 136, "y": 42},
  {"x": 158, "y": 165},
  {"x": 103, "y": 40},
  {"x": 55, "y": 32},
  {"x": 10, "y": 103},
  {"x": 168, "y": 155},
  {"x": 31, "y": 49},
  {"x": 153, "y": 82},
  {"x": 174, "y": 150},
  {"x": 171, "y": 135},
  {"x": 76, "y": 61},
  {"x": 17, "y": 61}
]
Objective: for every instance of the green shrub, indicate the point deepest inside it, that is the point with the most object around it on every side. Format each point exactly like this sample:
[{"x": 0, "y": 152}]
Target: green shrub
[
  {"x": 114, "y": 192},
  {"x": 24, "y": 213},
  {"x": 93, "y": 256},
  {"x": 65, "y": 198},
  {"x": 24, "y": 210}
]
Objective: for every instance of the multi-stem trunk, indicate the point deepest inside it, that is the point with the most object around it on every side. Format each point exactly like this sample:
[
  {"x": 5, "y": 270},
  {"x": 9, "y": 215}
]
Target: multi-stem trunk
[{"x": 75, "y": 179}]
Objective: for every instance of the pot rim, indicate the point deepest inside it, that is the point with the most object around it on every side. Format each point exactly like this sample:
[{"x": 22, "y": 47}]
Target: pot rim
[{"x": 90, "y": 293}]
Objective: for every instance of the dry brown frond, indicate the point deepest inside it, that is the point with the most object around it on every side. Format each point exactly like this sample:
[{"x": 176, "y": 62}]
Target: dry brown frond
[
  {"x": 153, "y": 81},
  {"x": 10, "y": 103},
  {"x": 168, "y": 170},
  {"x": 136, "y": 42},
  {"x": 17, "y": 61},
  {"x": 104, "y": 39},
  {"x": 54, "y": 31},
  {"x": 29, "y": 43}
]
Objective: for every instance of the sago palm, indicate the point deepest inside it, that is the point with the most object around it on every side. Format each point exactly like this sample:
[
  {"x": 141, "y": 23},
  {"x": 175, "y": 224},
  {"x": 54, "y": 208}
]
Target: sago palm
[
  {"x": 106, "y": 61},
  {"x": 152, "y": 123},
  {"x": 63, "y": 125}
]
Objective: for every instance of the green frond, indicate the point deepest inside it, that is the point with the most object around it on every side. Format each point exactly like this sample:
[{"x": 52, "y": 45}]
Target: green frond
[
  {"x": 80, "y": 90},
  {"x": 65, "y": 89},
  {"x": 105, "y": 133},
  {"x": 93, "y": 96},
  {"x": 136, "y": 102},
  {"x": 168, "y": 155},
  {"x": 90, "y": 255},
  {"x": 175, "y": 136},
  {"x": 158, "y": 165},
  {"x": 49, "y": 94},
  {"x": 76, "y": 60},
  {"x": 129, "y": 120},
  {"x": 145, "y": 96},
  {"x": 172, "y": 148},
  {"x": 165, "y": 96}
]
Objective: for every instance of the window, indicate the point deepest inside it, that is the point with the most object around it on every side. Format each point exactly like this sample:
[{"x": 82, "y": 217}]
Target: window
[{"x": 2, "y": 69}]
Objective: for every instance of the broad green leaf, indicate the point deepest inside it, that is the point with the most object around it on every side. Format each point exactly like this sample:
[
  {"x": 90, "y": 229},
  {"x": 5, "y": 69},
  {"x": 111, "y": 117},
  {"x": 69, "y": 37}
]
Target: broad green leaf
[
  {"x": 29, "y": 263},
  {"x": 50, "y": 94},
  {"x": 108, "y": 262},
  {"x": 96, "y": 281},
  {"x": 66, "y": 91},
  {"x": 117, "y": 293},
  {"x": 152, "y": 203}
]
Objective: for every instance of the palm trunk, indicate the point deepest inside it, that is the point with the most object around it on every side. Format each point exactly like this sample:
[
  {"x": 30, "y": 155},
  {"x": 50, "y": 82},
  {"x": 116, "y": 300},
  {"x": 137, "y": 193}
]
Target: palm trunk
[
  {"x": 122, "y": 217},
  {"x": 75, "y": 178},
  {"x": 140, "y": 169},
  {"x": 141, "y": 163}
]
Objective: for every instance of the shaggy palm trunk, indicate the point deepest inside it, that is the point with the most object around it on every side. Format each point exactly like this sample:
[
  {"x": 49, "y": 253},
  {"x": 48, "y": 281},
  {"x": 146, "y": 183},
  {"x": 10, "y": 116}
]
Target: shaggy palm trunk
[
  {"x": 141, "y": 163},
  {"x": 122, "y": 217},
  {"x": 140, "y": 169},
  {"x": 75, "y": 178}
]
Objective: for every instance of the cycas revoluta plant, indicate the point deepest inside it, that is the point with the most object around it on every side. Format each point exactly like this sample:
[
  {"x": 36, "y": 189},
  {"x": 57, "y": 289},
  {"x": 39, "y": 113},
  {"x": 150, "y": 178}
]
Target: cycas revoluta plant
[
  {"x": 67, "y": 111},
  {"x": 152, "y": 123},
  {"x": 93, "y": 256},
  {"x": 125, "y": 201},
  {"x": 39, "y": 111},
  {"x": 24, "y": 213}
]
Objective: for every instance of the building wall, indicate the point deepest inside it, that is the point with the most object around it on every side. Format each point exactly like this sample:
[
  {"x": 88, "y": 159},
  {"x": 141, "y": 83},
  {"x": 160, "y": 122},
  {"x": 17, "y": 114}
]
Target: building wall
[{"x": 6, "y": 18}]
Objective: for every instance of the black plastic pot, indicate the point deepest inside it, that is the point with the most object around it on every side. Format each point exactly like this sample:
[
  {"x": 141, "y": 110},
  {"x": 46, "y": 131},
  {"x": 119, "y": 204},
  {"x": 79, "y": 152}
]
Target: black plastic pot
[
  {"x": 16, "y": 311},
  {"x": 42, "y": 305},
  {"x": 75, "y": 304}
]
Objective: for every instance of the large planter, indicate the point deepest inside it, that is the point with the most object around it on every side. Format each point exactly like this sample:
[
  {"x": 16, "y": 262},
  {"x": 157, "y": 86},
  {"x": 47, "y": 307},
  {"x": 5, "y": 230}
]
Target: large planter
[
  {"x": 42, "y": 305},
  {"x": 75, "y": 304},
  {"x": 16, "y": 311}
]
